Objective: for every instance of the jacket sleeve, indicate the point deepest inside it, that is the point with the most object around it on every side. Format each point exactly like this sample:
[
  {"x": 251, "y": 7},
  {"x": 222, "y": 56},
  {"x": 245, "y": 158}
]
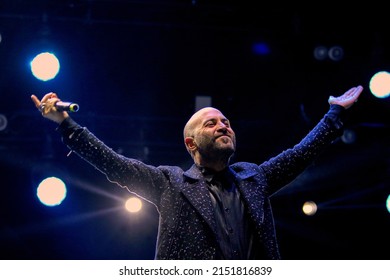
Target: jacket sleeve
[
  {"x": 145, "y": 180},
  {"x": 285, "y": 167}
]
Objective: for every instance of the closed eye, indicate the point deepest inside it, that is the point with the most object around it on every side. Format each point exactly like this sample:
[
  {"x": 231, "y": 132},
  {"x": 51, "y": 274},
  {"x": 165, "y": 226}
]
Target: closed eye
[{"x": 212, "y": 123}]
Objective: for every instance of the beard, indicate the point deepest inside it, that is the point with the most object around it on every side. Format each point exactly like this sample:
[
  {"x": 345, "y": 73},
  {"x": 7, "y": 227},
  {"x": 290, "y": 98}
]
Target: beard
[{"x": 216, "y": 149}]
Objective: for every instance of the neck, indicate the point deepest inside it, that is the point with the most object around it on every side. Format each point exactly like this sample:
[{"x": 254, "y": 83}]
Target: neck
[{"x": 216, "y": 165}]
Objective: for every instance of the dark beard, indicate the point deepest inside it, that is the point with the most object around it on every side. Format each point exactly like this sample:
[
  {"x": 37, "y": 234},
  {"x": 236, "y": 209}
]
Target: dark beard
[{"x": 211, "y": 153}]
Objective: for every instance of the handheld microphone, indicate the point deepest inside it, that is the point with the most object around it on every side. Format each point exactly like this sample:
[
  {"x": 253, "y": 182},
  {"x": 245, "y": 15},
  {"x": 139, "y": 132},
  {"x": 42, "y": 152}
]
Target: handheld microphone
[{"x": 66, "y": 106}]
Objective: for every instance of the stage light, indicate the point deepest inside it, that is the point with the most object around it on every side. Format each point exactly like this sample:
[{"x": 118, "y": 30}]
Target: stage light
[
  {"x": 336, "y": 53},
  {"x": 309, "y": 208},
  {"x": 349, "y": 136},
  {"x": 3, "y": 122},
  {"x": 320, "y": 53},
  {"x": 261, "y": 48},
  {"x": 388, "y": 203},
  {"x": 45, "y": 66},
  {"x": 51, "y": 191},
  {"x": 133, "y": 204},
  {"x": 380, "y": 84}
]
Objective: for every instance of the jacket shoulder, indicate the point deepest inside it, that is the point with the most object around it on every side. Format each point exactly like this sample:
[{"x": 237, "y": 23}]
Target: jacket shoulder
[
  {"x": 171, "y": 171},
  {"x": 245, "y": 169},
  {"x": 242, "y": 165}
]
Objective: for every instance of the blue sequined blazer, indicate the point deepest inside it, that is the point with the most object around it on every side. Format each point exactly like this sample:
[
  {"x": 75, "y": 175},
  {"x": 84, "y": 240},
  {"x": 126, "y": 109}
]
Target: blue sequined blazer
[{"x": 187, "y": 228}]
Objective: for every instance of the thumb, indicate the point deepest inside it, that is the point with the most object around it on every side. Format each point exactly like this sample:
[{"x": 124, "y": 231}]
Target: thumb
[{"x": 331, "y": 98}]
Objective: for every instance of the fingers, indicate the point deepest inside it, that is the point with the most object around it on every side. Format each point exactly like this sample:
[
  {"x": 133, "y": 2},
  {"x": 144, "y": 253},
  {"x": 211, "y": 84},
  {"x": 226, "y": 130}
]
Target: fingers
[
  {"x": 47, "y": 107},
  {"x": 348, "y": 94},
  {"x": 358, "y": 91},
  {"x": 36, "y": 101},
  {"x": 348, "y": 98},
  {"x": 353, "y": 94},
  {"x": 47, "y": 101},
  {"x": 48, "y": 96}
]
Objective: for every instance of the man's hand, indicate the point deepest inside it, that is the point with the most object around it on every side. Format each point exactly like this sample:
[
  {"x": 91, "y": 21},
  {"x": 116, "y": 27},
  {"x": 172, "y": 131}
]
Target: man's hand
[
  {"x": 348, "y": 98},
  {"x": 47, "y": 107}
]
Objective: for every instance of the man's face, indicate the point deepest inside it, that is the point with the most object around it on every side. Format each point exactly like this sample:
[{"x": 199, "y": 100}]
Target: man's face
[{"x": 214, "y": 136}]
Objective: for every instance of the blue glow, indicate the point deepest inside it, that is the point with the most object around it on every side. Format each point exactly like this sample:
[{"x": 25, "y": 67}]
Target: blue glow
[{"x": 261, "y": 48}]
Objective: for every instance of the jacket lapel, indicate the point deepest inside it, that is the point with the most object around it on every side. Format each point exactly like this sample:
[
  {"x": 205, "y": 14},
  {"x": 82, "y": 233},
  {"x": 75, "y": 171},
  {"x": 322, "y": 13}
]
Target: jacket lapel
[
  {"x": 196, "y": 191},
  {"x": 252, "y": 193}
]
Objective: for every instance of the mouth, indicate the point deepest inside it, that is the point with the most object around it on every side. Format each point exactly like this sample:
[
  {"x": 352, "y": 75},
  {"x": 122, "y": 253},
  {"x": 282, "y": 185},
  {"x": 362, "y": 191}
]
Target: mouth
[{"x": 223, "y": 136}]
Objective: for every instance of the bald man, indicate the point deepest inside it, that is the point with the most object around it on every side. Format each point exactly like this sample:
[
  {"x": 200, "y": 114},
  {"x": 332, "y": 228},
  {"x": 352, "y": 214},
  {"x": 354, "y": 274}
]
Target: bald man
[{"x": 216, "y": 209}]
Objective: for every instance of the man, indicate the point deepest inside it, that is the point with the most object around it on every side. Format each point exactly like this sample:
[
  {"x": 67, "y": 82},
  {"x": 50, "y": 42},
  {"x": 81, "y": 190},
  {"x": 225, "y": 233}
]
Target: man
[{"x": 214, "y": 210}]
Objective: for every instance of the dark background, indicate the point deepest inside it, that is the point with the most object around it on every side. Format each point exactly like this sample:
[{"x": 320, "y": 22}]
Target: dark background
[{"x": 136, "y": 68}]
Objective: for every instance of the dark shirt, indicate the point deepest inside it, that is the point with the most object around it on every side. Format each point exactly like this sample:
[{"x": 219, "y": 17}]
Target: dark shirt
[{"x": 235, "y": 236}]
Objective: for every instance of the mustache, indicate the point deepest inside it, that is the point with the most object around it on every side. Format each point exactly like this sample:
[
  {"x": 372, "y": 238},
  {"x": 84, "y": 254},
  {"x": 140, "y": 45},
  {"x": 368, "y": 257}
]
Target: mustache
[{"x": 224, "y": 134}]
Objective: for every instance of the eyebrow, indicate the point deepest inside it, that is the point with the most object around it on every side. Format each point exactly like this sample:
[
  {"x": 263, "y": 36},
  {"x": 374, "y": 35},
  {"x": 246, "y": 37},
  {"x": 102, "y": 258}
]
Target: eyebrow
[{"x": 224, "y": 119}]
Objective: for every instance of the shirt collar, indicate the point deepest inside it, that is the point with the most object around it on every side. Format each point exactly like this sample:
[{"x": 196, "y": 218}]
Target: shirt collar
[{"x": 224, "y": 175}]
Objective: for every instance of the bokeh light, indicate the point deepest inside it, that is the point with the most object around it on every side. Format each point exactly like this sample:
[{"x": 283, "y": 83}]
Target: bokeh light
[
  {"x": 51, "y": 191},
  {"x": 380, "y": 84},
  {"x": 133, "y": 204},
  {"x": 309, "y": 208},
  {"x": 45, "y": 66}
]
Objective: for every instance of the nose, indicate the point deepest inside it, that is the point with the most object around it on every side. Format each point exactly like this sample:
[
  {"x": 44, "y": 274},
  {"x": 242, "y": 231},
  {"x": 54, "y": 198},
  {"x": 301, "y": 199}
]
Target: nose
[{"x": 222, "y": 126}]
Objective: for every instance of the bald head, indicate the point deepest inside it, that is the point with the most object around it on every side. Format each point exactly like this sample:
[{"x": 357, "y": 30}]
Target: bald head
[
  {"x": 196, "y": 119},
  {"x": 209, "y": 138}
]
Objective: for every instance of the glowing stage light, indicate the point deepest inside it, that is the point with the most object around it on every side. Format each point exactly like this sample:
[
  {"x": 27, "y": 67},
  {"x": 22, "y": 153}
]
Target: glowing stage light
[
  {"x": 349, "y": 136},
  {"x": 45, "y": 66},
  {"x": 336, "y": 53},
  {"x": 133, "y": 204},
  {"x": 321, "y": 53},
  {"x": 309, "y": 208},
  {"x": 380, "y": 84},
  {"x": 388, "y": 203},
  {"x": 3, "y": 122},
  {"x": 261, "y": 48},
  {"x": 51, "y": 191}
]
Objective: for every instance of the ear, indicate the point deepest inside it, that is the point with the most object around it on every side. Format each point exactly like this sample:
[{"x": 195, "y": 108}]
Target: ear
[{"x": 190, "y": 143}]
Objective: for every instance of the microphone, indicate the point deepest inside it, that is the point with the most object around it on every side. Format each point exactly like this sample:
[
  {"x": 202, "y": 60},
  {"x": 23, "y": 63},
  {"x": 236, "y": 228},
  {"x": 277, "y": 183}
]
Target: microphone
[{"x": 66, "y": 106}]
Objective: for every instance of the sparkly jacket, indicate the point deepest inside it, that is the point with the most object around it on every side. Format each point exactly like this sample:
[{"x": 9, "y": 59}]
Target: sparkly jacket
[{"x": 187, "y": 226}]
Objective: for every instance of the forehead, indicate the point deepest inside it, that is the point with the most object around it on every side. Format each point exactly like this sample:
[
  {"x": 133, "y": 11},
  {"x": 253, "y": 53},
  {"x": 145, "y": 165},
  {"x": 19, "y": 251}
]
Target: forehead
[
  {"x": 207, "y": 114},
  {"x": 211, "y": 113},
  {"x": 201, "y": 116}
]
